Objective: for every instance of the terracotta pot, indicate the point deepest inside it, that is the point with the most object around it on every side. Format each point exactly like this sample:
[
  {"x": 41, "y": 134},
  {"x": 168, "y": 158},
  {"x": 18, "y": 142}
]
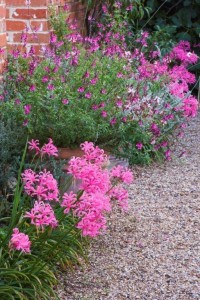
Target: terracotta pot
[{"x": 67, "y": 153}]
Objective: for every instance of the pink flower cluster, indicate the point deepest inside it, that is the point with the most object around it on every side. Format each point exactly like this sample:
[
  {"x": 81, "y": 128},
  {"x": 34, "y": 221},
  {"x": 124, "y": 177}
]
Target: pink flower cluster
[
  {"x": 122, "y": 174},
  {"x": 41, "y": 215},
  {"x": 42, "y": 186},
  {"x": 173, "y": 67},
  {"x": 182, "y": 53},
  {"x": 20, "y": 241},
  {"x": 47, "y": 149},
  {"x": 190, "y": 106},
  {"x": 89, "y": 205},
  {"x": 98, "y": 187}
]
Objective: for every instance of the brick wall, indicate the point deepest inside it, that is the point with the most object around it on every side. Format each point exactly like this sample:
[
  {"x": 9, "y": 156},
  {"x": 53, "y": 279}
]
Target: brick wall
[
  {"x": 2, "y": 33},
  {"x": 17, "y": 15}
]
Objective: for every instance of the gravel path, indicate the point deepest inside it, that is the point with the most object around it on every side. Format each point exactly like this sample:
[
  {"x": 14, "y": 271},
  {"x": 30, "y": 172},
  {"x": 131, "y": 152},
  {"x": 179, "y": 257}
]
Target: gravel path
[{"x": 151, "y": 253}]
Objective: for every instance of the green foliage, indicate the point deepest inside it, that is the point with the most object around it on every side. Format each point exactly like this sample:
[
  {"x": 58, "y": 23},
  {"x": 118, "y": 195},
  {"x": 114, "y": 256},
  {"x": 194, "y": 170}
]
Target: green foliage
[
  {"x": 137, "y": 10},
  {"x": 180, "y": 18},
  {"x": 12, "y": 140},
  {"x": 57, "y": 21},
  {"x": 32, "y": 276},
  {"x": 25, "y": 277},
  {"x": 49, "y": 117},
  {"x": 131, "y": 134}
]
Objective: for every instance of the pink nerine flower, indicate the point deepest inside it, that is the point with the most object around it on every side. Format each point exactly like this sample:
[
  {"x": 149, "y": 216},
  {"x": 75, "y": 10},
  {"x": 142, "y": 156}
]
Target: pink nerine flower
[
  {"x": 122, "y": 174},
  {"x": 93, "y": 154},
  {"x": 20, "y": 241},
  {"x": 42, "y": 215},
  {"x": 121, "y": 195},
  {"x": 68, "y": 201},
  {"x": 42, "y": 186},
  {"x": 91, "y": 209},
  {"x": 92, "y": 223},
  {"x": 94, "y": 179},
  {"x": 49, "y": 149},
  {"x": 98, "y": 186},
  {"x": 34, "y": 145}
]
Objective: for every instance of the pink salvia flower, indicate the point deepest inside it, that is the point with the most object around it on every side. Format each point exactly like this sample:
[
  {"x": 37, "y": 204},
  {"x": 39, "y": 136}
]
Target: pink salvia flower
[
  {"x": 65, "y": 101},
  {"x": 190, "y": 106},
  {"x": 17, "y": 101},
  {"x": 168, "y": 154},
  {"x": 32, "y": 88},
  {"x": 139, "y": 146},
  {"x": 104, "y": 114},
  {"x": 81, "y": 89},
  {"x": 27, "y": 109},
  {"x": 88, "y": 95}
]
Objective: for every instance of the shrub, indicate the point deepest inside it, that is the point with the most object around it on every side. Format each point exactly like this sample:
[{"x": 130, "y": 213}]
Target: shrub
[{"x": 94, "y": 89}]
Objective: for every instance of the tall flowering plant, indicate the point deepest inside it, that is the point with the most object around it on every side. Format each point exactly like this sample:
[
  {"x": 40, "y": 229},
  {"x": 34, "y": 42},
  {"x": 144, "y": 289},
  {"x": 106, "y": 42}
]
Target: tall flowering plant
[
  {"x": 97, "y": 191},
  {"x": 49, "y": 226}
]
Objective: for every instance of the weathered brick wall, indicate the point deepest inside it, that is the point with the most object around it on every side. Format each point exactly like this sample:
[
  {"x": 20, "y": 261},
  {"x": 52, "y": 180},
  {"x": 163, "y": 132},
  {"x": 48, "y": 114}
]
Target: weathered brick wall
[
  {"x": 17, "y": 15},
  {"x": 2, "y": 33},
  {"x": 21, "y": 15}
]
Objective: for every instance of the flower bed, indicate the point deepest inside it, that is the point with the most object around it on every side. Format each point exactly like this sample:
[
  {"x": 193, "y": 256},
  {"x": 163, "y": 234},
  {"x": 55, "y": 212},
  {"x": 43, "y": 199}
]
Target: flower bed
[
  {"x": 135, "y": 102},
  {"x": 47, "y": 225}
]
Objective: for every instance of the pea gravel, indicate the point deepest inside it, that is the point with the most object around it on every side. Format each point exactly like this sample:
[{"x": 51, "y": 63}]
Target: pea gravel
[{"x": 153, "y": 251}]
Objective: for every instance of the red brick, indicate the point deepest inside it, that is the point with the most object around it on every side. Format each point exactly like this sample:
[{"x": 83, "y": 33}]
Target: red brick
[
  {"x": 21, "y": 13},
  {"x": 22, "y": 49},
  {"x": 38, "y": 38},
  {"x": 17, "y": 13},
  {"x": 37, "y": 24},
  {"x": 11, "y": 47},
  {"x": 23, "y": 3},
  {"x": 2, "y": 11},
  {"x": 14, "y": 25},
  {"x": 2, "y": 39}
]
